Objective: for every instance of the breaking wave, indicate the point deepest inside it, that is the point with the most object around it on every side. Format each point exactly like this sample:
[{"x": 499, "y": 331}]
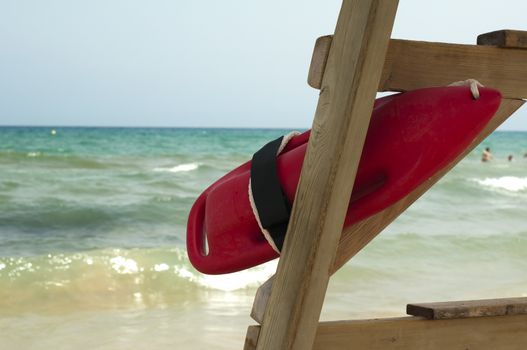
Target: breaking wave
[
  {"x": 180, "y": 168},
  {"x": 508, "y": 183}
]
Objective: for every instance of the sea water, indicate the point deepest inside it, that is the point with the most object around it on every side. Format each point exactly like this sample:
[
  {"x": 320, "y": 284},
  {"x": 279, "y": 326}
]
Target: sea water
[{"x": 92, "y": 240}]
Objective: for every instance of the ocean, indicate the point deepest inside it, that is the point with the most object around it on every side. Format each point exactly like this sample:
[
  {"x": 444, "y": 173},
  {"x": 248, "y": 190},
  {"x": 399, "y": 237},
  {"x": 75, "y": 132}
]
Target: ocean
[{"x": 93, "y": 224}]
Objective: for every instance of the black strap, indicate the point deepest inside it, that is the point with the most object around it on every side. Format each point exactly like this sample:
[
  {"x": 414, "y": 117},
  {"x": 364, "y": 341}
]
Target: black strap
[{"x": 269, "y": 198}]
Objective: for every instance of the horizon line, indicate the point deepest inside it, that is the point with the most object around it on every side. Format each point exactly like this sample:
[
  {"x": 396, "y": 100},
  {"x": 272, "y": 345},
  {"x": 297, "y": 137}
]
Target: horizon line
[
  {"x": 151, "y": 127},
  {"x": 184, "y": 127}
]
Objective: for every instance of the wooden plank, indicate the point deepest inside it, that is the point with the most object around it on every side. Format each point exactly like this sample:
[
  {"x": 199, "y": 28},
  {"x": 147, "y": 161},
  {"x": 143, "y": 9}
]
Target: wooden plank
[
  {"x": 260, "y": 300},
  {"x": 356, "y": 237},
  {"x": 414, "y": 64},
  {"x": 504, "y": 38},
  {"x": 469, "y": 308},
  {"x": 319, "y": 60},
  {"x": 411, "y": 65},
  {"x": 414, "y": 333},
  {"x": 333, "y": 153},
  {"x": 251, "y": 339}
]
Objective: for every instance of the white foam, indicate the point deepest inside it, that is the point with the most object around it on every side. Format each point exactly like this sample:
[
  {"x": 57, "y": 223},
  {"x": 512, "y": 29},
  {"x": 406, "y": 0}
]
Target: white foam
[
  {"x": 180, "y": 168},
  {"x": 161, "y": 267},
  {"x": 123, "y": 265},
  {"x": 234, "y": 281},
  {"x": 33, "y": 154},
  {"x": 509, "y": 183}
]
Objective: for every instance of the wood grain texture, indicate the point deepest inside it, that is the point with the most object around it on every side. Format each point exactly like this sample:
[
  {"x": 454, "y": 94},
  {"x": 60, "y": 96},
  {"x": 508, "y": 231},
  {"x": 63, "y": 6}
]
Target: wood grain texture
[
  {"x": 339, "y": 128},
  {"x": 251, "y": 339},
  {"x": 260, "y": 300},
  {"x": 469, "y": 308},
  {"x": 356, "y": 237},
  {"x": 504, "y": 38},
  {"x": 414, "y": 333},
  {"x": 412, "y": 65},
  {"x": 319, "y": 60}
]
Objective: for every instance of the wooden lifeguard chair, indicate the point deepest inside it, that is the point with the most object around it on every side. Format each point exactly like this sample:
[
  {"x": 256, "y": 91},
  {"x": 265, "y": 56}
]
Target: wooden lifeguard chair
[{"x": 349, "y": 68}]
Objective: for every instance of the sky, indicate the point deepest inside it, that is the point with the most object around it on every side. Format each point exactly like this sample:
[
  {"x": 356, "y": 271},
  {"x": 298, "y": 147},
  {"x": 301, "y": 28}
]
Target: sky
[{"x": 209, "y": 63}]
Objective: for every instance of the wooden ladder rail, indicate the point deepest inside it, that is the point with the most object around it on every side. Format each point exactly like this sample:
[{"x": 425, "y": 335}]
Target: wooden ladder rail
[{"x": 289, "y": 312}]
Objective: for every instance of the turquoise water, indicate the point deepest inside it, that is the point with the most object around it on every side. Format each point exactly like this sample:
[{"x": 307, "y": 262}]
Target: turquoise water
[{"x": 92, "y": 239}]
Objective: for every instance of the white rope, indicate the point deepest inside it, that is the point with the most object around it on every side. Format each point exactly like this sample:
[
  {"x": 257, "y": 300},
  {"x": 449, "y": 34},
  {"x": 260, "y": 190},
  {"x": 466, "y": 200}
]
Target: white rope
[
  {"x": 266, "y": 233},
  {"x": 472, "y": 83}
]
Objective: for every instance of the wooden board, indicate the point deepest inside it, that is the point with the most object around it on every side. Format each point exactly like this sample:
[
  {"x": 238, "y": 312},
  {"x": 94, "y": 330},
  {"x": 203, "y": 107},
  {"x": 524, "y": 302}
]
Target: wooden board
[
  {"x": 251, "y": 339},
  {"x": 341, "y": 120},
  {"x": 260, "y": 300},
  {"x": 414, "y": 333},
  {"x": 411, "y": 65},
  {"x": 356, "y": 237},
  {"x": 319, "y": 61},
  {"x": 470, "y": 308},
  {"x": 504, "y": 38}
]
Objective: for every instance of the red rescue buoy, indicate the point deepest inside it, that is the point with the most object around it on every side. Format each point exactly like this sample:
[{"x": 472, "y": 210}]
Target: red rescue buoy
[{"x": 411, "y": 136}]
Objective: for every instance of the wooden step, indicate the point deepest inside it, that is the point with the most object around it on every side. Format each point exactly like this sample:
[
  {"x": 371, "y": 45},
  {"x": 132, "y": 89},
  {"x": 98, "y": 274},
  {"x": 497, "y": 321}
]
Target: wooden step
[
  {"x": 507, "y": 38},
  {"x": 469, "y": 308}
]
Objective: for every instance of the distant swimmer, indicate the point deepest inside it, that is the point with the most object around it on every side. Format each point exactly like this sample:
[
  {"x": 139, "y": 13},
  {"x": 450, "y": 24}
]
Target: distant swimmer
[
  {"x": 486, "y": 156},
  {"x": 509, "y": 158}
]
